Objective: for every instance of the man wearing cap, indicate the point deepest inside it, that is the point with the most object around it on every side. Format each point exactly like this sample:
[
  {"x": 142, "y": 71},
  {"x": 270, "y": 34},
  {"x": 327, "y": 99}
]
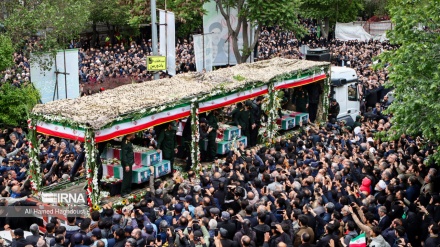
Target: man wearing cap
[
  {"x": 177, "y": 213},
  {"x": 224, "y": 240},
  {"x": 78, "y": 240},
  {"x": 127, "y": 161},
  {"x": 97, "y": 236},
  {"x": 187, "y": 201},
  {"x": 167, "y": 143},
  {"x": 227, "y": 224}
]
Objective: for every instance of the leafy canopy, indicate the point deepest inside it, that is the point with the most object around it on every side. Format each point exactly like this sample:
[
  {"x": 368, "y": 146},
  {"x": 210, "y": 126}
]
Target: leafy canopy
[
  {"x": 6, "y": 52},
  {"x": 55, "y": 21},
  {"x": 188, "y": 12},
  {"x": 16, "y": 103},
  {"x": 414, "y": 70},
  {"x": 259, "y": 13},
  {"x": 334, "y": 10},
  {"x": 110, "y": 11}
]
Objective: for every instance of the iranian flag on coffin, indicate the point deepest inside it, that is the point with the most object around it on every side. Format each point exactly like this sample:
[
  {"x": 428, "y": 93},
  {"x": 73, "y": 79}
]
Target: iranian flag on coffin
[
  {"x": 107, "y": 170},
  {"x": 138, "y": 158},
  {"x": 116, "y": 153},
  {"x": 359, "y": 241}
]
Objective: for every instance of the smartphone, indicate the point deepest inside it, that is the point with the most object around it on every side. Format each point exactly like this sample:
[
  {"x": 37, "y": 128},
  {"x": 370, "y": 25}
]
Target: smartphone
[
  {"x": 280, "y": 212},
  {"x": 189, "y": 230},
  {"x": 234, "y": 217},
  {"x": 176, "y": 230},
  {"x": 264, "y": 189},
  {"x": 159, "y": 237},
  {"x": 216, "y": 232}
]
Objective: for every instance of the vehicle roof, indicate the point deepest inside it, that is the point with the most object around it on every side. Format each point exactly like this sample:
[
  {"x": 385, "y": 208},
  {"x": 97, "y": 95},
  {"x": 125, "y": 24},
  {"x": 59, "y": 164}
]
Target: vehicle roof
[{"x": 343, "y": 73}]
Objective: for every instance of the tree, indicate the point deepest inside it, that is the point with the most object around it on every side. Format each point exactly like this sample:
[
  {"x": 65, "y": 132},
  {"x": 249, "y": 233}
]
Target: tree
[
  {"x": 110, "y": 12},
  {"x": 414, "y": 69},
  {"x": 258, "y": 13},
  {"x": 16, "y": 103},
  {"x": 188, "y": 13},
  {"x": 6, "y": 52},
  {"x": 376, "y": 7},
  {"x": 328, "y": 12},
  {"x": 56, "y": 22}
]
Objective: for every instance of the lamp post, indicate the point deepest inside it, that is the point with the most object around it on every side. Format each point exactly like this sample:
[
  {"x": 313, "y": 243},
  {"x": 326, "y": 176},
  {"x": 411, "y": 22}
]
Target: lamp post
[{"x": 154, "y": 33}]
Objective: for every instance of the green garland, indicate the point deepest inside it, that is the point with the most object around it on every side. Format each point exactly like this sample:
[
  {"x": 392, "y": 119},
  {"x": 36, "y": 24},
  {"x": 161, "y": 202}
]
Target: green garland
[
  {"x": 325, "y": 98},
  {"x": 195, "y": 136},
  {"x": 34, "y": 164},
  {"x": 92, "y": 191},
  {"x": 270, "y": 105}
]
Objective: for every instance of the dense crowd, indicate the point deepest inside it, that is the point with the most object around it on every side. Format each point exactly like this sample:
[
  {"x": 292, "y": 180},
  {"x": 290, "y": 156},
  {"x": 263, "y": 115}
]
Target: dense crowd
[
  {"x": 325, "y": 186},
  {"x": 121, "y": 61}
]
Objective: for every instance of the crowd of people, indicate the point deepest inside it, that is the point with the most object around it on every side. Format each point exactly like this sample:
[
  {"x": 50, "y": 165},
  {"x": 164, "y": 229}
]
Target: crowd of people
[
  {"x": 125, "y": 62},
  {"x": 328, "y": 185}
]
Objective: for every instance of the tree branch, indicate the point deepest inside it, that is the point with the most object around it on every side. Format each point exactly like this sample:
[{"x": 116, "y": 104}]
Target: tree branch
[
  {"x": 226, "y": 16},
  {"x": 256, "y": 36},
  {"x": 240, "y": 17}
]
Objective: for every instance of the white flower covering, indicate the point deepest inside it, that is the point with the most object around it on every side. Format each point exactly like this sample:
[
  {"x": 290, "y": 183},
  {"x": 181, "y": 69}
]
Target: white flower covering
[{"x": 98, "y": 110}]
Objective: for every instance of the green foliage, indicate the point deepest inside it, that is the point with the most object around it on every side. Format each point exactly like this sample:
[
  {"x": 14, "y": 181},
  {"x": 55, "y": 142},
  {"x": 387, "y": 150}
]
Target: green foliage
[
  {"x": 110, "y": 11},
  {"x": 16, "y": 103},
  {"x": 188, "y": 13},
  {"x": 376, "y": 7},
  {"x": 259, "y": 13},
  {"x": 6, "y": 52},
  {"x": 335, "y": 10},
  {"x": 55, "y": 21},
  {"x": 414, "y": 70},
  {"x": 331, "y": 11},
  {"x": 281, "y": 13}
]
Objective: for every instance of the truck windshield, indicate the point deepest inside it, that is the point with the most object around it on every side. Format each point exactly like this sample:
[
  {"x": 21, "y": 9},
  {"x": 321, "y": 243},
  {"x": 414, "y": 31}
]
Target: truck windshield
[{"x": 352, "y": 92}]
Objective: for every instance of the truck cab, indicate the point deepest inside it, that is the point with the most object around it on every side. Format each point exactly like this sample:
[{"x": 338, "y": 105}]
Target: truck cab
[{"x": 344, "y": 88}]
